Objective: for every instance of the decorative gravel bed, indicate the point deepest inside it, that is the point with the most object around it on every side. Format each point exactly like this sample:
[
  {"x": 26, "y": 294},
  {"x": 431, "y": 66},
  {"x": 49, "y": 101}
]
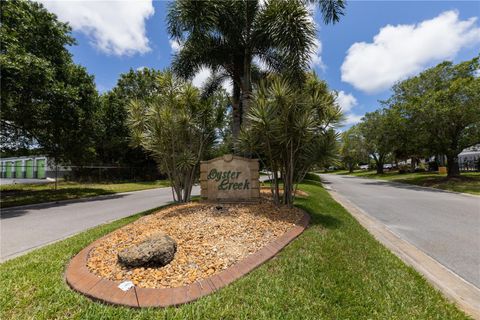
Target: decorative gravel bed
[{"x": 210, "y": 238}]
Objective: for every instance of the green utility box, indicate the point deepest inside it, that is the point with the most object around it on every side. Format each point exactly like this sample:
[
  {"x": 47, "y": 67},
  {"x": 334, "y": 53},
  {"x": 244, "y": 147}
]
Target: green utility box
[
  {"x": 8, "y": 166},
  {"x": 41, "y": 169},
  {"x": 29, "y": 169},
  {"x": 19, "y": 169}
]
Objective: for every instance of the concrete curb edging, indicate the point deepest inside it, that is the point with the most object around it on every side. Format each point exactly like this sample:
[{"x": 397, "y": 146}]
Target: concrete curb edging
[
  {"x": 80, "y": 279},
  {"x": 464, "y": 294}
]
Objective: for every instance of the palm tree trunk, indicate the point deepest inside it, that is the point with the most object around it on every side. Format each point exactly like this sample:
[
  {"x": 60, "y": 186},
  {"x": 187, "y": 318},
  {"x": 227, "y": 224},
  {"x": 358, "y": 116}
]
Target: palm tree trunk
[
  {"x": 246, "y": 88},
  {"x": 277, "y": 185},
  {"x": 237, "y": 113},
  {"x": 378, "y": 163},
  {"x": 187, "y": 188}
]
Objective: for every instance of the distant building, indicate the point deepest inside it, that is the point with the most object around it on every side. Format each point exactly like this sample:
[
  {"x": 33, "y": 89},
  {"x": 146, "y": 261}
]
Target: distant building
[
  {"x": 469, "y": 157},
  {"x": 34, "y": 167}
]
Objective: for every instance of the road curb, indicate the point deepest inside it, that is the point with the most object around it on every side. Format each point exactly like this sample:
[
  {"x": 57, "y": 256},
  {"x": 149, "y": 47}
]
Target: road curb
[{"x": 464, "y": 294}]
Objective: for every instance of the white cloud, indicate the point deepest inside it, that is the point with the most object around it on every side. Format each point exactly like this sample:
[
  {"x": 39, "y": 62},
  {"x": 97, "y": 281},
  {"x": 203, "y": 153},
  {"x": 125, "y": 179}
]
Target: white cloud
[
  {"x": 227, "y": 85},
  {"x": 403, "y": 50},
  {"x": 114, "y": 27},
  {"x": 260, "y": 64},
  {"x": 312, "y": 8},
  {"x": 141, "y": 68},
  {"x": 203, "y": 75},
  {"x": 352, "y": 119},
  {"x": 346, "y": 101},
  {"x": 175, "y": 45},
  {"x": 316, "y": 56}
]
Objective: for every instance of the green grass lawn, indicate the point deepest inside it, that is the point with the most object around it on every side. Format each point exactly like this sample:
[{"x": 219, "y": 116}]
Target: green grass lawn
[
  {"x": 468, "y": 182},
  {"x": 21, "y": 194},
  {"x": 334, "y": 270}
]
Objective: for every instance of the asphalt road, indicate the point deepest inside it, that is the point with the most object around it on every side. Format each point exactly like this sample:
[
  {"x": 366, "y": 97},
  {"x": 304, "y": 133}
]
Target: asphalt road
[
  {"x": 25, "y": 228},
  {"x": 444, "y": 225}
]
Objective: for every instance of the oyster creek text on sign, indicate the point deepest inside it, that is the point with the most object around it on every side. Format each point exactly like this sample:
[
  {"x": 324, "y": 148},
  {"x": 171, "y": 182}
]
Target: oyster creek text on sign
[
  {"x": 230, "y": 178},
  {"x": 225, "y": 180}
]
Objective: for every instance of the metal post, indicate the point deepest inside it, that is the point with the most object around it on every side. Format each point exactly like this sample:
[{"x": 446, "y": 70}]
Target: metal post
[{"x": 56, "y": 175}]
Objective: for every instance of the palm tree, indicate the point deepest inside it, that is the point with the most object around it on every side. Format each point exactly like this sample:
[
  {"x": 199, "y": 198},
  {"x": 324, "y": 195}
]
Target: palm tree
[
  {"x": 228, "y": 36},
  {"x": 293, "y": 127},
  {"x": 177, "y": 127}
]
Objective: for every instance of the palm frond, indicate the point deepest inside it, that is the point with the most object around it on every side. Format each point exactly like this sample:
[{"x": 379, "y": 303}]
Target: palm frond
[{"x": 331, "y": 10}]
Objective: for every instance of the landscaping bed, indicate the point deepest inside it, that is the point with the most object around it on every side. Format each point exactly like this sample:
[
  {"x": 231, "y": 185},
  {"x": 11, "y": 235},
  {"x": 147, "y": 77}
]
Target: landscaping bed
[
  {"x": 210, "y": 238},
  {"x": 334, "y": 270}
]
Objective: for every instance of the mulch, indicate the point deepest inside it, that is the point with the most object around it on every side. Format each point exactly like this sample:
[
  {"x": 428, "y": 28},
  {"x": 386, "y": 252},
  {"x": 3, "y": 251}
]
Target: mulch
[{"x": 210, "y": 238}]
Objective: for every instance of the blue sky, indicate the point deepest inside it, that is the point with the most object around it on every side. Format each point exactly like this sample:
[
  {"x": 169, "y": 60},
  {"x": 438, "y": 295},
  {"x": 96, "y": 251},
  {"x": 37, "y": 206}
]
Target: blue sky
[{"x": 375, "y": 44}]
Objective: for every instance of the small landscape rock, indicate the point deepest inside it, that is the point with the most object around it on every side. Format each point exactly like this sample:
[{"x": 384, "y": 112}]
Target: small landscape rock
[{"x": 157, "y": 250}]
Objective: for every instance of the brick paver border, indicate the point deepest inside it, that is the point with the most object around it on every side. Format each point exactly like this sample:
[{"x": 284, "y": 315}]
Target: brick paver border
[{"x": 80, "y": 279}]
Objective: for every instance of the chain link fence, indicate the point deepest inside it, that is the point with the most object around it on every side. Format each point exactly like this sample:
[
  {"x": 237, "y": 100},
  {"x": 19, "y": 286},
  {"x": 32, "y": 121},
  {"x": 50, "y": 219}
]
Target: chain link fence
[{"x": 113, "y": 173}]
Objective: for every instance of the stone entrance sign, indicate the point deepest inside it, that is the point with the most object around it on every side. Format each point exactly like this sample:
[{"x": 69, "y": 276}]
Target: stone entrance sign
[{"x": 230, "y": 178}]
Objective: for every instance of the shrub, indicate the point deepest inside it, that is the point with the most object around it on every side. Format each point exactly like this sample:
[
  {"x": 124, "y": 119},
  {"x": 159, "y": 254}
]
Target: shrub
[
  {"x": 312, "y": 176},
  {"x": 403, "y": 168},
  {"x": 421, "y": 167}
]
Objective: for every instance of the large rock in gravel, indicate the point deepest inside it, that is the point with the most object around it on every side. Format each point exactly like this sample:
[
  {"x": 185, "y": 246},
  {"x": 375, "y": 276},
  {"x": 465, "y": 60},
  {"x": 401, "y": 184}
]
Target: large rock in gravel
[{"x": 156, "y": 251}]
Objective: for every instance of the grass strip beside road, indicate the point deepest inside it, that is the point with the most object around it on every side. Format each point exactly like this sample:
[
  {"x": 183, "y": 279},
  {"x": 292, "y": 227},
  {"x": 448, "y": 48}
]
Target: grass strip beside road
[
  {"x": 334, "y": 270},
  {"x": 22, "y": 194},
  {"x": 468, "y": 182}
]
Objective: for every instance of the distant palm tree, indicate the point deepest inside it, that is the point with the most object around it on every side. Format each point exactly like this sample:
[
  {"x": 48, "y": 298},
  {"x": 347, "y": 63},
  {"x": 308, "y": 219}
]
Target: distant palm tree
[{"x": 229, "y": 36}]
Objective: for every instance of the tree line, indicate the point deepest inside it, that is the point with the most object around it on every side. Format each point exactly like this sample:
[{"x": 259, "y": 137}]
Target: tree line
[
  {"x": 435, "y": 113},
  {"x": 50, "y": 104}
]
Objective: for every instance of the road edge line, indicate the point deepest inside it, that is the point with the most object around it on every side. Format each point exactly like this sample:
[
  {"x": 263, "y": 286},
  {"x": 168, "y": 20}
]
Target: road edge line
[{"x": 464, "y": 294}]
